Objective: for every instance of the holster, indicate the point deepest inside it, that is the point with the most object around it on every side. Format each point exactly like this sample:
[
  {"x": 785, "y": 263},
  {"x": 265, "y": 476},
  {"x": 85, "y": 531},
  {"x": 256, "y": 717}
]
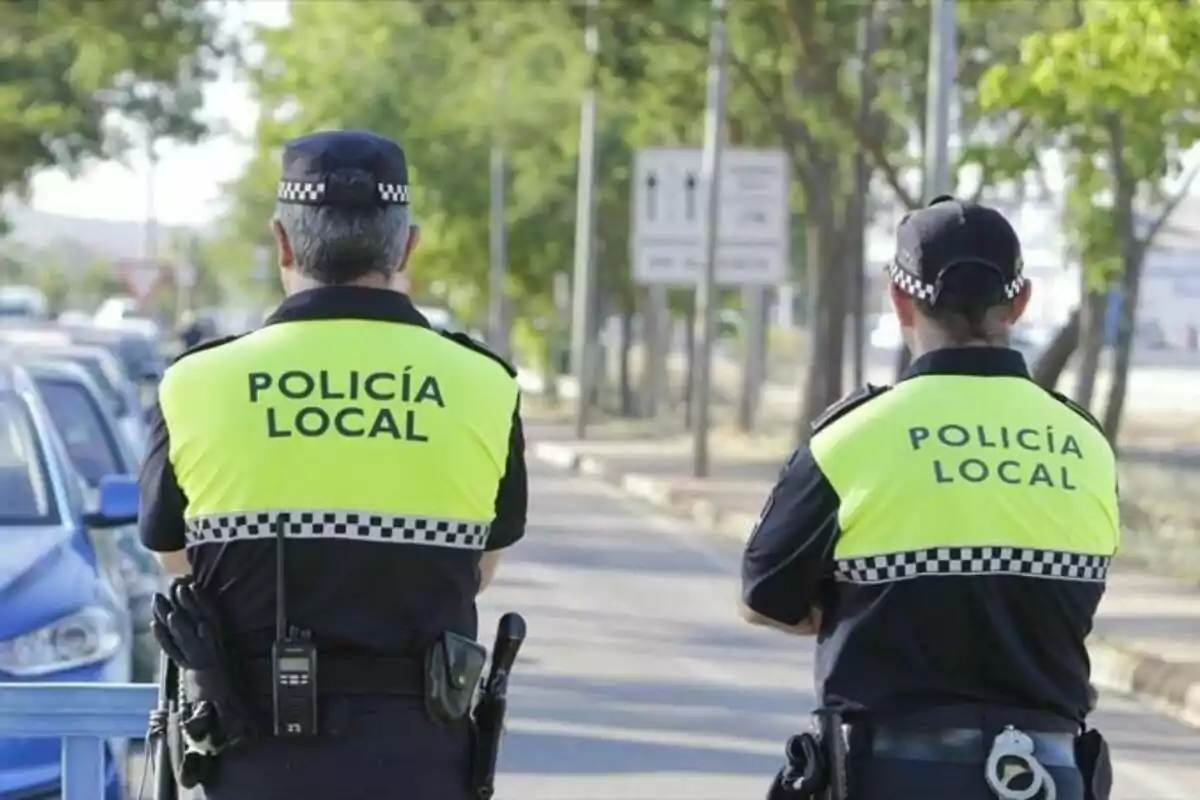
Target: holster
[
  {"x": 453, "y": 666},
  {"x": 816, "y": 763},
  {"x": 194, "y": 740},
  {"x": 1095, "y": 764}
]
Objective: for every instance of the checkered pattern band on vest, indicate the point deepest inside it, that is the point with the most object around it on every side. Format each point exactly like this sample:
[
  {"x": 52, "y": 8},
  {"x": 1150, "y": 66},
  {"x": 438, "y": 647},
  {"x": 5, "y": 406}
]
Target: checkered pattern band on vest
[
  {"x": 313, "y": 192},
  {"x": 913, "y": 286},
  {"x": 943, "y": 561},
  {"x": 347, "y": 525}
]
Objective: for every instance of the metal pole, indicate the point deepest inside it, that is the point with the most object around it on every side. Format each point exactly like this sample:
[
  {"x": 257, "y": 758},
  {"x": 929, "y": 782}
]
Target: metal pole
[
  {"x": 939, "y": 91},
  {"x": 658, "y": 336},
  {"x": 942, "y": 68},
  {"x": 706, "y": 290},
  {"x": 870, "y": 33},
  {"x": 151, "y": 227},
  {"x": 584, "y": 287},
  {"x": 498, "y": 329}
]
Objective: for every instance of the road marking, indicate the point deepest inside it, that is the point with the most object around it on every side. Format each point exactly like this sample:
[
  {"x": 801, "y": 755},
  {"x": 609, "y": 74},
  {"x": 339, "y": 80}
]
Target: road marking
[
  {"x": 642, "y": 735},
  {"x": 1146, "y": 778}
]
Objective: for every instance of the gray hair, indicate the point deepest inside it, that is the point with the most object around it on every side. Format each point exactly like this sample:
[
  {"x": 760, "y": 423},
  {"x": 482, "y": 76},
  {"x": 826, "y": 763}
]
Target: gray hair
[{"x": 338, "y": 245}]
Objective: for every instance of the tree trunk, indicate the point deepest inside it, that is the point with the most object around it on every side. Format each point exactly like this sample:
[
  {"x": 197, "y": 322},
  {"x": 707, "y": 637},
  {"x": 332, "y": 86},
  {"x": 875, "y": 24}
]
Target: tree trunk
[
  {"x": 1091, "y": 341},
  {"x": 1051, "y": 364},
  {"x": 825, "y": 344},
  {"x": 1132, "y": 255}
]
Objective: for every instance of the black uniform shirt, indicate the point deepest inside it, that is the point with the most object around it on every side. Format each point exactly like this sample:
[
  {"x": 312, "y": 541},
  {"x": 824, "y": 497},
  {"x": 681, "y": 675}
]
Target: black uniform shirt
[{"x": 385, "y": 600}]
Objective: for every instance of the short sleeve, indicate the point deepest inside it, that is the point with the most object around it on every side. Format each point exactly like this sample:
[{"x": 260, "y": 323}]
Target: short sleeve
[
  {"x": 791, "y": 548},
  {"x": 160, "y": 516},
  {"x": 512, "y": 494}
]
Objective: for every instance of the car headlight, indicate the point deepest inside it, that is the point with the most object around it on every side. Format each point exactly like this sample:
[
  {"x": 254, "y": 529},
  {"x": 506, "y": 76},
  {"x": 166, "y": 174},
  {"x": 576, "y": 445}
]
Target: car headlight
[{"x": 88, "y": 636}]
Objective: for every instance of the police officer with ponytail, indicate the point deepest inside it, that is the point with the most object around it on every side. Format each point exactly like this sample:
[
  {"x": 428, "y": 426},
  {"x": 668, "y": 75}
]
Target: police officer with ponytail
[
  {"x": 947, "y": 540},
  {"x": 336, "y": 488}
]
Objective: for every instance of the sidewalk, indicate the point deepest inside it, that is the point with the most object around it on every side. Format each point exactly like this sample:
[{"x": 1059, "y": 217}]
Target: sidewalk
[{"x": 1147, "y": 637}]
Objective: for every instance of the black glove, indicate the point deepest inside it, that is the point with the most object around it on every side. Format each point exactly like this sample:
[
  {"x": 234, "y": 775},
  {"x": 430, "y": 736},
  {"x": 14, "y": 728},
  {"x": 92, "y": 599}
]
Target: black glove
[{"x": 187, "y": 628}]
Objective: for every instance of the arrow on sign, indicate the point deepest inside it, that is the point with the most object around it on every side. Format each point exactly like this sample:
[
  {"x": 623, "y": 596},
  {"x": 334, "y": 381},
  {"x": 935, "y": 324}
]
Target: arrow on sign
[
  {"x": 689, "y": 185},
  {"x": 651, "y": 196}
]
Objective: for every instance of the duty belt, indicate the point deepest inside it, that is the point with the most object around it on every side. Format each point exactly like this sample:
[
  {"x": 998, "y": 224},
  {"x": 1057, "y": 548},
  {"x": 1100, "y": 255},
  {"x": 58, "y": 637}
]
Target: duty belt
[
  {"x": 344, "y": 674},
  {"x": 962, "y": 745},
  {"x": 1014, "y": 762}
]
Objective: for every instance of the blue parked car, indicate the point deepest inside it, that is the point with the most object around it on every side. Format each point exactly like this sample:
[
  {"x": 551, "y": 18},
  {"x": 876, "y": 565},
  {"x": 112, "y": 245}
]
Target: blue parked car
[
  {"x": 97, "y": 450},
  {"x": 62, "y": 614}
]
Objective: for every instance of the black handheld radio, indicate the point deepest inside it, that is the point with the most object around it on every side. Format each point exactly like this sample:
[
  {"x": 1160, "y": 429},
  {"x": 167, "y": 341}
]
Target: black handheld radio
[{"x": 293, "y": 660}]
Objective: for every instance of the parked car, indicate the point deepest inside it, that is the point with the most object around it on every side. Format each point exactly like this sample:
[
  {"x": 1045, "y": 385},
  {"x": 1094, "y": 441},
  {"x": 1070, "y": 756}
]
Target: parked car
[
  {"x": 62, "y": 614},
  {"x": 139, "y": 354},
  {"x": 97, "y": 449},
  {"x": 23, "y": 302},
  {"x": 103, "y": 369},
  {"x": 124, "y": 313}
]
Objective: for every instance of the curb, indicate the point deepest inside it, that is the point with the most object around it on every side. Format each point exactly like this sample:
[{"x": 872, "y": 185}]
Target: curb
[{"x": 1116, "y": 666}]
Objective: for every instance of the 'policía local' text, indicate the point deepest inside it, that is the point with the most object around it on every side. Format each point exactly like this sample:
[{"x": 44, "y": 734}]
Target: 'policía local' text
[
  {"x": 1028, "y": 457},
  {"x": 351, "y": 404}
]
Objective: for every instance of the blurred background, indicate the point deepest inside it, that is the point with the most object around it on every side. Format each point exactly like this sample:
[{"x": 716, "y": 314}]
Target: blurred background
[{"x": 557, "y": 148}]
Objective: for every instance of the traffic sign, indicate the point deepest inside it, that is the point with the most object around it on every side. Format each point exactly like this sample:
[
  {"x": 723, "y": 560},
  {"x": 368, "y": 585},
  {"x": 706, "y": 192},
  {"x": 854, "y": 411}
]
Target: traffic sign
[
  {"x": 141, "y": 275},
  {"x": 754, "y": 233}
]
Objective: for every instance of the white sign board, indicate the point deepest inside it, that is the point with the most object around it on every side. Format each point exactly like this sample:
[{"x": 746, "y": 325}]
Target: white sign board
[{"x": 669, "y": 198}]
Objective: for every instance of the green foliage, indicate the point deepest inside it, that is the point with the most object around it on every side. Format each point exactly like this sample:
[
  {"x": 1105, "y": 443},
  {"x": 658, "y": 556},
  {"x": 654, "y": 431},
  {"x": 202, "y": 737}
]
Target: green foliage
[
  {"x": 1114, "y": 93},
  {"x": 67, "y": 65}
]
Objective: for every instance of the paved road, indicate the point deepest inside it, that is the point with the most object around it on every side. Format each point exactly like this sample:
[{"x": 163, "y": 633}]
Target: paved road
[{"x": 640, "y": 682}]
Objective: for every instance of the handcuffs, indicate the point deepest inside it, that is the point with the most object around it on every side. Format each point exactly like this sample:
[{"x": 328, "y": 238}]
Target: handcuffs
[{"x": 1012, "y": 757}]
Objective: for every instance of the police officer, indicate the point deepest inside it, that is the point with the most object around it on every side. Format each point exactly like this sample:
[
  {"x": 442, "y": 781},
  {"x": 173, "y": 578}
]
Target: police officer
[
  {"x": 947, "y": 539},
  {"x": 390, "y": 460}
]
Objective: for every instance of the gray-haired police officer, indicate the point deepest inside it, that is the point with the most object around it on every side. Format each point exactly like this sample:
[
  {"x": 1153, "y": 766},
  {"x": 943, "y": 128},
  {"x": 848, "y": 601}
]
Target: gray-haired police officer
[
  {"x": 385, "y": 458},
  {"x": 948, "y": 540}
]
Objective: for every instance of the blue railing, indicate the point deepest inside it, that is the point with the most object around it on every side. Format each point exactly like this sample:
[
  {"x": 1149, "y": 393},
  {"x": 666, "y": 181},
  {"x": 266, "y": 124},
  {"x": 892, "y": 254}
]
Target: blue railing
[{"x": 83, "y": 715}]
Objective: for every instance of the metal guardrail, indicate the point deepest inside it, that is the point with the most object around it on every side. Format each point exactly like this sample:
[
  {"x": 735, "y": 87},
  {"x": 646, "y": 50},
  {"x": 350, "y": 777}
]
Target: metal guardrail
[{"x": 83, "y": 716}]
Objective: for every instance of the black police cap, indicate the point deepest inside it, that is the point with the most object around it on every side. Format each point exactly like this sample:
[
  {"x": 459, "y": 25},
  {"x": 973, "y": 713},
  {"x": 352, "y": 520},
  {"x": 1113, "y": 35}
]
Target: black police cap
[
  {"x": 961, "y": 253},
  {"x": 343, "y": 168}
]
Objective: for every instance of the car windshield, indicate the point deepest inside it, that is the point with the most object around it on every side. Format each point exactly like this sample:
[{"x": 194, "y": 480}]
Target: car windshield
[
  {"x": 90, "y": 442},
  {"x": 25, "y": 497}
]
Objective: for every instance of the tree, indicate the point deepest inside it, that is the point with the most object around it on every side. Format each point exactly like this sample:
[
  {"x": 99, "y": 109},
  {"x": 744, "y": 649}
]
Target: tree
[
  {"x": 795, "y": 80},
  {"x": 447, "y": 80},
  {"x": 1114, "y": 94},
  {"x": 67, "y": 66}
]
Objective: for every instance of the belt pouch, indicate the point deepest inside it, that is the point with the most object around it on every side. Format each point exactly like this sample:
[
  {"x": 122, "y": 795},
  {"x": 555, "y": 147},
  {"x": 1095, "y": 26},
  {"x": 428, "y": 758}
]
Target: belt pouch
[
  {"x": 453, "y": 666},
  {"x": 1095, "y": 764}
]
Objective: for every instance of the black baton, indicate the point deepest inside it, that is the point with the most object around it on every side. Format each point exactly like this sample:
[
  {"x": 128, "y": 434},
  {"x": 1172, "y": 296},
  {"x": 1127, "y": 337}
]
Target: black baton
[
  {"x": 833, "y": 739},
  {"x": 493, "y": 703},
  {"x": 164, "y": 772}
]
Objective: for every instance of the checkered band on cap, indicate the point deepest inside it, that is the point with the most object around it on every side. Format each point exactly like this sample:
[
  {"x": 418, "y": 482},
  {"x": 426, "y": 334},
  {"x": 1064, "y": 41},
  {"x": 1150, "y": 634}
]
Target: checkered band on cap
[
  {"x": 346, "y": 525},
  {"x": 944, "y": 561},
  {"x": 301, "y": 191},
  {"x": 393, "y": 193},
  {"x": 913, "y": 286},
  {"x": 313, "y": 192}
]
